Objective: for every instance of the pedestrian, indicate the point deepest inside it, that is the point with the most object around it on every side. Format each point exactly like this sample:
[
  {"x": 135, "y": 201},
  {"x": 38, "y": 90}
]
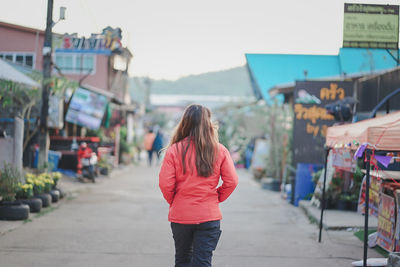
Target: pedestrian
[
  {"x": 158, "y": 144},
  {"x": 148, "y": 141},
  {"x": 193, "y": 165}
]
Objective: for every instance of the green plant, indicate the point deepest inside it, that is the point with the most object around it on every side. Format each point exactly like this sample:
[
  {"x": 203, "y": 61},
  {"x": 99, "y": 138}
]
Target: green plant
[
  {"x": 25, "y": 191},
  {"x": 56, "y": 176},
  {"x": 345, "y": 197},
  {"x": 102, "y": 163},
  {"x": 335, "y": 187},
  {"x": 47, "y": 181},
  {"x": 38, "y": 184},
  {"x": 9, "y": 179},
  {"x": 316, "y": 176}
]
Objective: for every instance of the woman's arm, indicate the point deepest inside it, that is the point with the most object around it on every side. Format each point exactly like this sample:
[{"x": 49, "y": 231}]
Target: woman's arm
[
  {"x": 167, "y": 177},
  {"x": 228, "y": 176}
]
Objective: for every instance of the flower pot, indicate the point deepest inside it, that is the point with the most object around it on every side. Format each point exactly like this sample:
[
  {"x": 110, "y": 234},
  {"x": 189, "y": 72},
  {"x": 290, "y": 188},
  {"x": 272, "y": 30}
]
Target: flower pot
[
  {"x": 13, "y": 211},
  {"x": 46, "y": 199},
  {"x": 62, "y": 193},
  {"x": 341, "y": 204},
  {"x": 104, "y": 171},
  {"x": 354, "y": 205},
  {"x": 55, "y": 196},
  {"x": 35, "y": 204}
]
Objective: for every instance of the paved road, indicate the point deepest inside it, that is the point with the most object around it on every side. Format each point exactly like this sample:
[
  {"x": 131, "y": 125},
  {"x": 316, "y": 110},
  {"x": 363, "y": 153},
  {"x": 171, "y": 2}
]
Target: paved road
[{"x": 122, "y": 221}]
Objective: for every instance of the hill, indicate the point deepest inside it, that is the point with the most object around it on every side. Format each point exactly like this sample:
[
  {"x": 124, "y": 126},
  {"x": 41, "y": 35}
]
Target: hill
[{"x": 230, "y": 82}]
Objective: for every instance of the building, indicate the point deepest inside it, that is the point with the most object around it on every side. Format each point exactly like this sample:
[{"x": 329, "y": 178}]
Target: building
[
  {"x": 99, "y": 64},
  {"x": 275, "y": 74}
]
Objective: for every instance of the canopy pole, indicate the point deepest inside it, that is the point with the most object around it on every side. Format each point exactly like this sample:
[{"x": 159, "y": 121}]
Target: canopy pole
[
  {"x": 327, "y": 149},
  {"x": 368, "y": 156}
]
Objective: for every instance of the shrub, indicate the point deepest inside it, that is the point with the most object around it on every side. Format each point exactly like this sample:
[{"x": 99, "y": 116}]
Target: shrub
[
  {"x": 25, "y": 191},
  {"x": 56, "y": 176},
  {"x": 9, "y": 179}
]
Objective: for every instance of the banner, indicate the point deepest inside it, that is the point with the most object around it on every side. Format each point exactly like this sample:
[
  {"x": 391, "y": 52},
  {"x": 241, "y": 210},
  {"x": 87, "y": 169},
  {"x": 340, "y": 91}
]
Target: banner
[
  {"x": 371, "y": 26},
  {"x": 386, "y": 223}
]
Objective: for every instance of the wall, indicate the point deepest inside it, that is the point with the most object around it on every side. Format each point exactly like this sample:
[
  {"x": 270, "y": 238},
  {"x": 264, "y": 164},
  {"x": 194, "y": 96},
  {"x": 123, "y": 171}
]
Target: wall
[
  {"x": 21, "y": 39},
  {"x": 99, "y": 79},
  {"x": 6, "y": 144}
]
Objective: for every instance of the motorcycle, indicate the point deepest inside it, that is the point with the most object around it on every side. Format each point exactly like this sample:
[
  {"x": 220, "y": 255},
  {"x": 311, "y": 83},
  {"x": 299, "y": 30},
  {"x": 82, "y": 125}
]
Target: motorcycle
[{"x": 89, "y": 167}]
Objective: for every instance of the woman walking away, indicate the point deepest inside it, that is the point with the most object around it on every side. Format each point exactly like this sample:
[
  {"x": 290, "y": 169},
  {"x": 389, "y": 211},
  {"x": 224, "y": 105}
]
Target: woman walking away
[{"x": 189, "y": 176}]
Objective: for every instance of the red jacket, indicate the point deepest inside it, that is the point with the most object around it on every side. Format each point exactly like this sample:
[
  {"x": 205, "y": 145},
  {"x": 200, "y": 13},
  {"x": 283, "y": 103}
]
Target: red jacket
[{"x": 194, "y": 199}]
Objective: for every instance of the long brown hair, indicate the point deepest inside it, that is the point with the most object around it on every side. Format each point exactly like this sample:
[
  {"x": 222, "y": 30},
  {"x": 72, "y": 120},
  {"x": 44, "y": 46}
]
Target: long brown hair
[{"x": 196, "y": 126}]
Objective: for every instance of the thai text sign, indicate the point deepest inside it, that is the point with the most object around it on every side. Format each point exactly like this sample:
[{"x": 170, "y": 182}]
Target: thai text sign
[
  {"x": 104, "y": 43},
  {"x": 371, "y": 26},
  {"x": 311, "y": 119}
]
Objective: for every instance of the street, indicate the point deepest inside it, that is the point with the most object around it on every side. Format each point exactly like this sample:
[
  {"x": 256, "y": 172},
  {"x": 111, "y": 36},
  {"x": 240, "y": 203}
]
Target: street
[{"x": 122, "y": 221}]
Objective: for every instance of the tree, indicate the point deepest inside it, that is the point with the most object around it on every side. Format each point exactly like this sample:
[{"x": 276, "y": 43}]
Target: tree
[{"x": 19, "y": 100}]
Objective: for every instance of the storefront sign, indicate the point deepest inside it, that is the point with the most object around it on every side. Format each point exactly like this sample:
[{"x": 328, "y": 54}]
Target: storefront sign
[
  {"x": 371, "y": 26},
  {"x": 386, "y": 223},
  {"x": 86, "y": 109},
  {"x": 311, "y": 119},
  {"x": 106, "y": 42}
]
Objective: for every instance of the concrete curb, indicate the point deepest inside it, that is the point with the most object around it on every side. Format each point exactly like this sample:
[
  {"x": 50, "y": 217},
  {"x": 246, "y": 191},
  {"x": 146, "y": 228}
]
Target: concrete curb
[{"x": 336, "y": 219}]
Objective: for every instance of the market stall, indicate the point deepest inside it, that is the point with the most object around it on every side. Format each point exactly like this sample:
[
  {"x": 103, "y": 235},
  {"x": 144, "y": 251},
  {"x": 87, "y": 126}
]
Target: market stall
[{"x": 373, "y": 140}]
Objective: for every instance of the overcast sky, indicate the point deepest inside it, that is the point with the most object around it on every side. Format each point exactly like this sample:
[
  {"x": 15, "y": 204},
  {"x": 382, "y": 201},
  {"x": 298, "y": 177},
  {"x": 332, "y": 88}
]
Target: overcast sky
[{"x": 174, "y": 38}]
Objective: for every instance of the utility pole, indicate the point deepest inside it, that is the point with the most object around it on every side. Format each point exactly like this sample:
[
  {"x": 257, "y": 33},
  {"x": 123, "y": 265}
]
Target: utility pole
[{"x": 47, "y": 51}]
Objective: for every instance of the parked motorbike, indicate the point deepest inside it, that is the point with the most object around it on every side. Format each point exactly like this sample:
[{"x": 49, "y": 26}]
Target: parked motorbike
[{"x": 89, "y": 167}]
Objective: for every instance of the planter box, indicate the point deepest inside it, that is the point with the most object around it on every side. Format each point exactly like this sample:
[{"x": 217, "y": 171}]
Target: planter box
[
  {"x": 14, "y": 211},
  {"x": 46, "y": 199},
  {"x": 35, "y": 204}
]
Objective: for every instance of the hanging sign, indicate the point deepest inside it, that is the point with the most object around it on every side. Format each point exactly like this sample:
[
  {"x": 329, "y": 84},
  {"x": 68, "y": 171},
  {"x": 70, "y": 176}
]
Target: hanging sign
[{"x": 371, "y": 26}]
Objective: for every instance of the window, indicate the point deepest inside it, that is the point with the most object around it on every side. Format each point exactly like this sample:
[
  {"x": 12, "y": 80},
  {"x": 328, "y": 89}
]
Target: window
[
  {"x": 9, "y": 57},
  {"x": 76, "y": 63},
  {"x": 19, "y": 59},
  {"x": 23, "y": 59},
  {"x": 29, "y": 61}
]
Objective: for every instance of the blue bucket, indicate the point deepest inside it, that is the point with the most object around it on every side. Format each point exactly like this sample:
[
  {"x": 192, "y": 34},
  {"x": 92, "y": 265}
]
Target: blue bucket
[{"x": 304, "y": 184}]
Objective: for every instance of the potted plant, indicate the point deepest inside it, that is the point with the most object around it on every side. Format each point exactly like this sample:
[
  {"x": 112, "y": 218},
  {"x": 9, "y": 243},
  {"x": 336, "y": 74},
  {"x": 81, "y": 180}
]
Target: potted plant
[
  {"x": 9, "y": 208},
  {"x": 38, "y": 188},
  {"x": 25, "y": 195},
  {"x": 104, "y": 166},
  {"x": 48, "y": 186},
  {"x": 354, "y": 202},
  {"x": 335, "y": 189},
  {"x": 56, "y": 176},
  {"x": 343, "y": 202}
]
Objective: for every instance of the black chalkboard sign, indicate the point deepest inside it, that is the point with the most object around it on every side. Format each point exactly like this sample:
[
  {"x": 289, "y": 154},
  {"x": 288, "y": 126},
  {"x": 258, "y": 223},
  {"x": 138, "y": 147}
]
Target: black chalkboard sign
[{"x": 311, "y": 119}]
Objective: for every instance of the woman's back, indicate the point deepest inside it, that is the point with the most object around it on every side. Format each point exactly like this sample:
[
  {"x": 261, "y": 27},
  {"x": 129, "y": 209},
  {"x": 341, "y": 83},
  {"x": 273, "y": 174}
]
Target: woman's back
[
  {"x": 195, "y": 198},
  {"x": 189, "y": 178}
]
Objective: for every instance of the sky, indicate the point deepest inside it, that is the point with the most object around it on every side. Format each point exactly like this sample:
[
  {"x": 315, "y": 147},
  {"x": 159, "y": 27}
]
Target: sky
[{"x": 174, "y": 38}]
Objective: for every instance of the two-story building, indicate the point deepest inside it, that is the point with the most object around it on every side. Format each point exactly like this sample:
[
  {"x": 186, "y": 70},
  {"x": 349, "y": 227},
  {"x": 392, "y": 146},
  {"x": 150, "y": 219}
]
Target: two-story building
[{"x": 99, "y": 64}]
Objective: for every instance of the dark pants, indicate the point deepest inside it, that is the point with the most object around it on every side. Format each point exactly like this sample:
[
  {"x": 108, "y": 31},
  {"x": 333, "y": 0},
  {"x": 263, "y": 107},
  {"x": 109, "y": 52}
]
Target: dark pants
[
  {"x": 195, "y": 243},
  {"x": 150, "y": 153}
]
